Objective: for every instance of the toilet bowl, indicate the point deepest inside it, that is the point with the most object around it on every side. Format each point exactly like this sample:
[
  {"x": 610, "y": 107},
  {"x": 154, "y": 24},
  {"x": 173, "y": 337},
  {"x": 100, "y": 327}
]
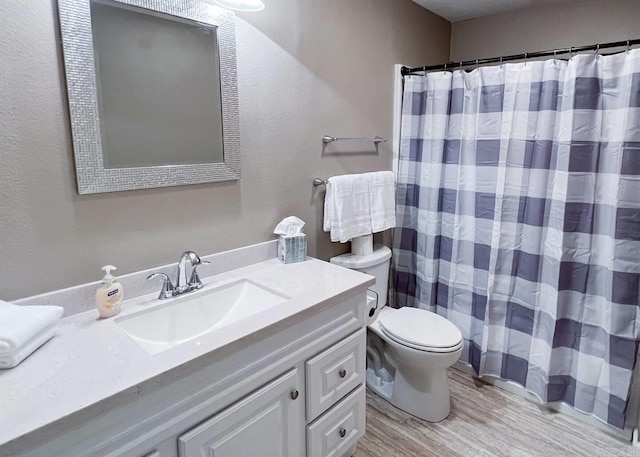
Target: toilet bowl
[{"x": 408, "y": 349}]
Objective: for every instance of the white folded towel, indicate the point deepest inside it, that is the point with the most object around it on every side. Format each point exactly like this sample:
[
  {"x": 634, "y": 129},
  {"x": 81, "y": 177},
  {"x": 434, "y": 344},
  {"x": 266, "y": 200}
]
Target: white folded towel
[
  {"x": 347, "y": 208},
  {"x": 20, "y": 324},
  {"x": 13, "y": 358},
  {"x": 382, "y": 198},
  {"x": 359, "y": 204}
]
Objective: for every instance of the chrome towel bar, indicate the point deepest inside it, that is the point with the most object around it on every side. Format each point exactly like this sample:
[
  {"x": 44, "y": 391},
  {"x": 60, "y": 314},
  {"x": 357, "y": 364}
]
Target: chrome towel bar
[{"x": 376, "y": 139}]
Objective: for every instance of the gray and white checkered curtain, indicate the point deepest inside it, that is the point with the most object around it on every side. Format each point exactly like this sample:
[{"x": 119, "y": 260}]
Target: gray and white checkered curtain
[{"x": 519, "y": 220}]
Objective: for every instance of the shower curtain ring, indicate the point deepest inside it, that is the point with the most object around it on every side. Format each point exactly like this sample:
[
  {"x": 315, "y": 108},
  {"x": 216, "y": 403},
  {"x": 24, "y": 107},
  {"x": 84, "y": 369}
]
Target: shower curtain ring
[
  {"x": 477, "y": 62},
  {"x": 526, "y": 57},
  {"x": 445, "y": 67},
  {"x": 597, "y": 49},
  {"x": 628, "y": 46}
]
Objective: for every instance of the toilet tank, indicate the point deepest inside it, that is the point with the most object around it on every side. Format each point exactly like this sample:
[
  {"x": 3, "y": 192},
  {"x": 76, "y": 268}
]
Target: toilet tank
[{"x": 375, "y": 264}]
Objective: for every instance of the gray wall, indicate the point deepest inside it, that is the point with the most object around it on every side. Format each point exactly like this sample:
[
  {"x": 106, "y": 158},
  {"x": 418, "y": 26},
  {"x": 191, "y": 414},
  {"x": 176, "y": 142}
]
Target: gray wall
[
  {"x": 558, "y": 25},
  {"x": 305, "y": 68}
]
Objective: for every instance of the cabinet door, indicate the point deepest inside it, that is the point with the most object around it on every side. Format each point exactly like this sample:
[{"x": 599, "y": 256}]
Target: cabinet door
[{"x": 267, "y": 423}]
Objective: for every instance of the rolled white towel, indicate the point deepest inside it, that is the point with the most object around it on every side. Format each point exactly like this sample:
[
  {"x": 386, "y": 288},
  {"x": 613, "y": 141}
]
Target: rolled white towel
[
  {"x": 19, "y": 324},
  {"x": 13, "y": 358}
]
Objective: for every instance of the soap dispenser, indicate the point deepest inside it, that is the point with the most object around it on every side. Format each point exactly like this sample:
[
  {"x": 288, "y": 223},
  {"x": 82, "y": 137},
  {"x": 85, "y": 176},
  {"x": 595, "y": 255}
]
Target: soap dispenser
[{"x": 109, "y": 296}]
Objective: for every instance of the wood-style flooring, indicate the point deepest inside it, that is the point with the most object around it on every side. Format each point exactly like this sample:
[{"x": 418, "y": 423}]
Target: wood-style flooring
[{"x": 485, "y": 421}]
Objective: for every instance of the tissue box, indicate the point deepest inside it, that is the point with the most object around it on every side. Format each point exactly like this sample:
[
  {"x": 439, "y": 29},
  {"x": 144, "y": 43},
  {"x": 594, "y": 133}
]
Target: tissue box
[{"x": 292, "y": 249}]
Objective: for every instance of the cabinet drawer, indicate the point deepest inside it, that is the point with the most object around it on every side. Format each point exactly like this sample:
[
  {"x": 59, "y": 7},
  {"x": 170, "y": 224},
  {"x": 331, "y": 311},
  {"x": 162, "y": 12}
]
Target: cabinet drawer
[
  {"x": 338, "y": 429},
  {"x": 335, "y": 372}
]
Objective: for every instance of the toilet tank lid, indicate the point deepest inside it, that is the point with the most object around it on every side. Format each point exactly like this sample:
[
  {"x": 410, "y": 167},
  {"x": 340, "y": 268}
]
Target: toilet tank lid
[{"x": 379, "y": 255}]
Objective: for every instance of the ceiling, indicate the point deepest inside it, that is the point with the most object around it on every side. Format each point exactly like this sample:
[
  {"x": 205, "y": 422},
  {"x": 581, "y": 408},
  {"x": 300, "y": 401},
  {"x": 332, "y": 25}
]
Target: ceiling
[{"x": 459, "y": 10}]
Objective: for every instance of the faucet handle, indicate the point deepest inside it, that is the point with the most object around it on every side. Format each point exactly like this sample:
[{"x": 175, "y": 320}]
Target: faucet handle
[
  {"x": 167, "y": 286},
  {"x": 194, "y": 282}
]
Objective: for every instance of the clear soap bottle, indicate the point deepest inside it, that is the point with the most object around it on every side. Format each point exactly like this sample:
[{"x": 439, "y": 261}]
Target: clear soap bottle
[{"x": 109, "y": 296}]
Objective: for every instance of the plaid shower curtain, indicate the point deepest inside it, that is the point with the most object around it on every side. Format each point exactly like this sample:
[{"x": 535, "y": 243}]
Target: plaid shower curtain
[{"x": 518, "y": 209}]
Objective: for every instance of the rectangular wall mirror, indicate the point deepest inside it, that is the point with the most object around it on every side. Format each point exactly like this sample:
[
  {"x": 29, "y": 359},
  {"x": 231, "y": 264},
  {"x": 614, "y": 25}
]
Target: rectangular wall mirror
[{"x": 152, "y": 93}]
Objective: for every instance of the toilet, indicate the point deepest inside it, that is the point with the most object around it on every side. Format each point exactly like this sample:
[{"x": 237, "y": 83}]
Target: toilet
[{"x": 408, "y": 349}]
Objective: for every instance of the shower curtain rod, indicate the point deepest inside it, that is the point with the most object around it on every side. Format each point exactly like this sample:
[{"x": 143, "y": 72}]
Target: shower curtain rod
[{"x": 553, "y": 52}]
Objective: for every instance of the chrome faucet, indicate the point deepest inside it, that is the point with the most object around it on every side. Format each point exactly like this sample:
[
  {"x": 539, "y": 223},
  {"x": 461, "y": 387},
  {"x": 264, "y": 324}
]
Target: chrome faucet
[{"x": 182, "y": 285}]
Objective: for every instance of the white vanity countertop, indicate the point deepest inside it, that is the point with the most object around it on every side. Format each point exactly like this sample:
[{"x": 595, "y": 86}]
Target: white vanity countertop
[{"x": 90, "y": 360}]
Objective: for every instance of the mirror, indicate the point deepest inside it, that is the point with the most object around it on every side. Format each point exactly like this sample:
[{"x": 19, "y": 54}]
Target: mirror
[{"x": 152, "y": 93}]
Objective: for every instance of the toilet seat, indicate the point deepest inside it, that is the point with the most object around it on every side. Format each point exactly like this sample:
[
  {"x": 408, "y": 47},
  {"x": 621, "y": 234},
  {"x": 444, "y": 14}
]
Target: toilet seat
[{"x": 421, "y": 330}]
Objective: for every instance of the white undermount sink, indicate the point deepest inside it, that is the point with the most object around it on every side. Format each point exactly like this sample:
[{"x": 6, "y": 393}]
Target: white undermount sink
[{"x": 195, "y": 314}]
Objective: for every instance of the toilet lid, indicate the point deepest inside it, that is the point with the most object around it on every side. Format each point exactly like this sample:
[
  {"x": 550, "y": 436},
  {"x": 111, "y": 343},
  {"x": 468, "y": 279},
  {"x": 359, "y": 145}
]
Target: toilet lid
[{"x": 421, "y": 328}]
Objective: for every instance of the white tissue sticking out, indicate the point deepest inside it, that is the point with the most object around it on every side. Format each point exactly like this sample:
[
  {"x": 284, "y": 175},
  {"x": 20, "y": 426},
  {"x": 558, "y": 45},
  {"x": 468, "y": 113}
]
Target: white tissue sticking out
[{"x": 289, "y": 226}]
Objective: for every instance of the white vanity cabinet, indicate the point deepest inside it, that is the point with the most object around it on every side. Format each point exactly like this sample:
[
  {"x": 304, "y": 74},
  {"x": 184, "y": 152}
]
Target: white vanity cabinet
[
  {"x": 294, "y": 388},
  {"x": 270, "y": 422}
]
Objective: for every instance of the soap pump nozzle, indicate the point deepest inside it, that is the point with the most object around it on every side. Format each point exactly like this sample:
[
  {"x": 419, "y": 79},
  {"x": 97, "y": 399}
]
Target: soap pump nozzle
[{"x": 108, "y": 277}]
